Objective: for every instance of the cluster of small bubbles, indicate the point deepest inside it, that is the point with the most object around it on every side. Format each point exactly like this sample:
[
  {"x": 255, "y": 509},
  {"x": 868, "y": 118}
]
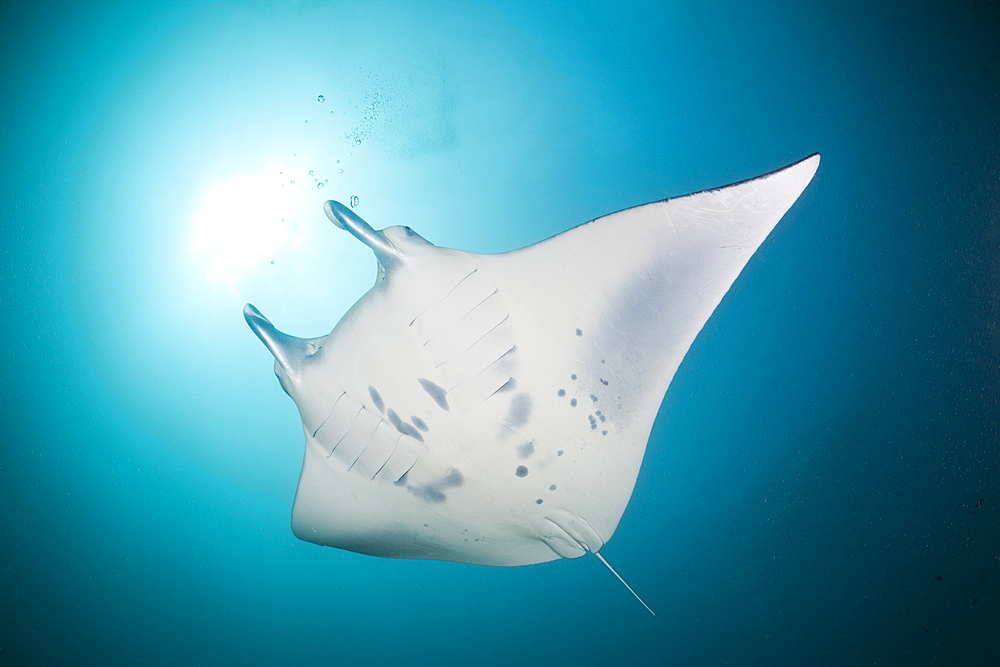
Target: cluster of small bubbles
[
  {"x": 321, "y": 99},
  {"x": 355, "y": 201}
]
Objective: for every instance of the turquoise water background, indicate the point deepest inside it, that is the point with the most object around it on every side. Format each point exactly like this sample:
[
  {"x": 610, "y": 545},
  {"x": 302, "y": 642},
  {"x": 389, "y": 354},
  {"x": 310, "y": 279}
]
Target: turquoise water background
[{"x": 822, "y": 485}]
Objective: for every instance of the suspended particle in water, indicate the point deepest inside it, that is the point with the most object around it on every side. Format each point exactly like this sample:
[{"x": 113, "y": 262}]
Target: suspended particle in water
[
  {"x": 292, "y": 181},
  {"x": 272, "y": 261},
  {"x": 355, "y": 201},
  {"x": 321, "y": 99},
  {"x": 310, "y": 172},
  {"x": 307, "y": 121},
  {"x": 319, "y": 186},
  {"x": 326, "y": 180},
  {"x": 342, "y": 171}
]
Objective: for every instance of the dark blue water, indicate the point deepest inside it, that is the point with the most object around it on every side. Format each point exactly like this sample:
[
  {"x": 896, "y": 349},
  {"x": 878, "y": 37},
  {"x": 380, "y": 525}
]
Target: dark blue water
[{"x": 810, "y": 491}]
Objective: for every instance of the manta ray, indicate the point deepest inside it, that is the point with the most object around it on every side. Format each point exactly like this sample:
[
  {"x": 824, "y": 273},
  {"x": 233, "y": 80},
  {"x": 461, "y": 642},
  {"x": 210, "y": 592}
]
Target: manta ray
[{"x": 495, "y": 409}]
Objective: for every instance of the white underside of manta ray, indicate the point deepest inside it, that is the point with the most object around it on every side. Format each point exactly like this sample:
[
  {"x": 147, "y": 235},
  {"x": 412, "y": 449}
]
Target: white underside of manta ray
[{"x": 495, "y": 409}]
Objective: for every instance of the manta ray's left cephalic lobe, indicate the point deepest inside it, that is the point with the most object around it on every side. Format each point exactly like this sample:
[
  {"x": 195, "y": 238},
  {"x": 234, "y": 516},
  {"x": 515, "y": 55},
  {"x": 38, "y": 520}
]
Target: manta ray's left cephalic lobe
[{"x": 495, "y": 409}]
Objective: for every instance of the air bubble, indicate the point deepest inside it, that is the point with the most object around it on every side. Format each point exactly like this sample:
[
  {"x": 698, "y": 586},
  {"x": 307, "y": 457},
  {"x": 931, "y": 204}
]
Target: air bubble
[
  {"x": 355, "y": 201},
  {"x": 319, "y": 186},
  {"x": 321, "y": 99},
  {"x": 310, "y": 172}
]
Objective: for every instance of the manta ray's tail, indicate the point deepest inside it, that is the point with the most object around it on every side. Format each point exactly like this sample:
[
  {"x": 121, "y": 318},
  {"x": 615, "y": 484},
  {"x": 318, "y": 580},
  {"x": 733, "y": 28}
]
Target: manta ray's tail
[{"x": 625, "y": 583}]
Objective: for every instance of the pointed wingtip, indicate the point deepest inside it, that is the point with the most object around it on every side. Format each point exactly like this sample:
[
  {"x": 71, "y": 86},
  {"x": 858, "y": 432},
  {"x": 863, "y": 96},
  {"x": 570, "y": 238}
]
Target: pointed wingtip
[
  {"x": 803, "y": 170},
  {"x": 789, "y": 181},
  {"x": 810, "y": 161},
  {"x": 806, "y": 166}
]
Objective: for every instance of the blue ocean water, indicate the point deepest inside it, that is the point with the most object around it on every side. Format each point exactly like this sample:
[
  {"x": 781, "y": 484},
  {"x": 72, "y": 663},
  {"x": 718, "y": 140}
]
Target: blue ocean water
[{"x": 822, "y": 485}]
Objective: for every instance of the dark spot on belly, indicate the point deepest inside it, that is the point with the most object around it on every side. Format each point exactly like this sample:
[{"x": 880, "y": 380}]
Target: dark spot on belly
[
  {"x": 428, "y": 492},
  {"x": 540, "y": 501},
  {"x": 572, "y": 402},
  {"x": 522, "y": 471},
  {"x": 434, "y": 493},
  {"x": 573, "y": 376},
  {"x": 552, "y": 487},
  {"x": 559, "y": 453},
  {"x": 520, "y": 410},
  {"x": 376, "y": 398},
  {"x": 593, "y": 422},
  {"x": 403, "y": 427},
  {"x": 436, "y": 392},
  {"x": 604, "y": 382},
  {"x": 561, "y": 393},
  {"x": 579, "y": 332},
  {"x": 593, "y": 398}
]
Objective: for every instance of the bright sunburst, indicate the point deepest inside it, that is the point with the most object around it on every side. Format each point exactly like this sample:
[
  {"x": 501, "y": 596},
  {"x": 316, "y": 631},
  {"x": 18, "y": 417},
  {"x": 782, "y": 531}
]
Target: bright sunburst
[{"x": 242, "y": 224}]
